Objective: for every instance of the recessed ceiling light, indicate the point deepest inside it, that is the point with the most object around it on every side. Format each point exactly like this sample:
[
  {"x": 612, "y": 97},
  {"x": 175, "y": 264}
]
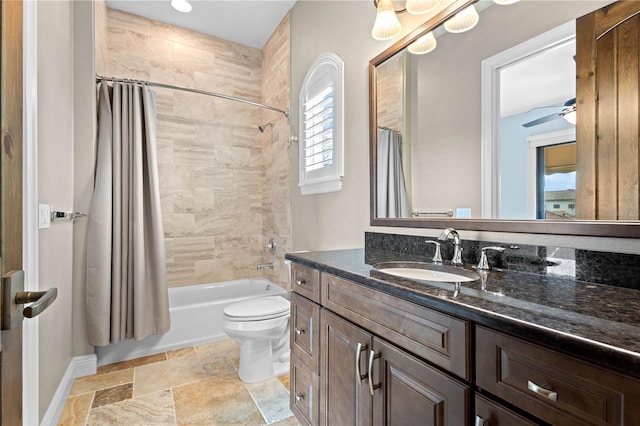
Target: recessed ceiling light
[{"x": 181, "y": 5}]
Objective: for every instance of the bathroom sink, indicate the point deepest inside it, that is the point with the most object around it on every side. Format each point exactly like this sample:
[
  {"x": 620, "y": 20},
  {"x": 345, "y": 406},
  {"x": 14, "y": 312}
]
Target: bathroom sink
[{"x": 426, "y": 271}]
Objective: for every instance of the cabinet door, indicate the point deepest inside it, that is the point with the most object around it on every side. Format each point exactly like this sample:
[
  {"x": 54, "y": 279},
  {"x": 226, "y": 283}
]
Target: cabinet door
[
  {"x": 408, "y": 391},
  {"x": 345, "y": 398}
]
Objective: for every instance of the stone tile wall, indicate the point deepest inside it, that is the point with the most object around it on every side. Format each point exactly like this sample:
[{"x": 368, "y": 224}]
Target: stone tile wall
[
  {"x": 277, "y": 152},
  {"x": 211, "y": 161}
]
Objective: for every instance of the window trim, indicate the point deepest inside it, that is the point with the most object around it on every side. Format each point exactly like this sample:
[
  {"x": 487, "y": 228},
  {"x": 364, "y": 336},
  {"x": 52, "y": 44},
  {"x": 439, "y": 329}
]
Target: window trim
[{"x": 328, "y": 66}]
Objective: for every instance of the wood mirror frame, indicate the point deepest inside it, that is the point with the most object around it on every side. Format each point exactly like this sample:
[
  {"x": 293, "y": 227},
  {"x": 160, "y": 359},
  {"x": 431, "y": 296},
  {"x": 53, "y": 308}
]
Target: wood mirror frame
[{"x": 620, "y": 229}]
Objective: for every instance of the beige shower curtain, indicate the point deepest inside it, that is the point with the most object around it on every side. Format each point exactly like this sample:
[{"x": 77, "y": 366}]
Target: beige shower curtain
[{"x": 127, "y": 296}]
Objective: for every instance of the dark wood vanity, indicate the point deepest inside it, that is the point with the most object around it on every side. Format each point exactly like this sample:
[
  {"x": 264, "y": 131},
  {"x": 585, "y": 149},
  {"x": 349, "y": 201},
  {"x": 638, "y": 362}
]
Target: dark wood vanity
[{"x": 370, "y": 351}]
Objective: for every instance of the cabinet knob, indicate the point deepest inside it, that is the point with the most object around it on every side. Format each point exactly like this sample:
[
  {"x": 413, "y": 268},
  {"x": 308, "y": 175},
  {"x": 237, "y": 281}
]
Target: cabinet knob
[
  {"x": 299, "y": 331},
  {"x": 299, "y": 397},
  {"x": 481, "y": 422},
  {"x": 301, "y": 282}
]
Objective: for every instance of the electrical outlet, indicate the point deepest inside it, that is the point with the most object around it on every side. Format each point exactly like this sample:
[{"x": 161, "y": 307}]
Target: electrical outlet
[{"x": 44, "y": 216}]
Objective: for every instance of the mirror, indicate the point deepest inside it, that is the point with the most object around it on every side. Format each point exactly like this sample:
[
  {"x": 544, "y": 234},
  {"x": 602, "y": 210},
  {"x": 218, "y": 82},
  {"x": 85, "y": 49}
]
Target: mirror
[{"x": 429, "y": 119}]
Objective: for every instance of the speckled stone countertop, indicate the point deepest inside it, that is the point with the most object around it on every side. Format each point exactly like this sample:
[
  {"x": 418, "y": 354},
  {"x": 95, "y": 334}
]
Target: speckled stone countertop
[{"x": 597, "y": 323}]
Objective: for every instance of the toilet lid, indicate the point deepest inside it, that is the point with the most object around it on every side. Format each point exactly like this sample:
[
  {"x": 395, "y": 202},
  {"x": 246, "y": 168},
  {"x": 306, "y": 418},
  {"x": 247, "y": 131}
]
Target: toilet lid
[{"x": 259, "y": 308}]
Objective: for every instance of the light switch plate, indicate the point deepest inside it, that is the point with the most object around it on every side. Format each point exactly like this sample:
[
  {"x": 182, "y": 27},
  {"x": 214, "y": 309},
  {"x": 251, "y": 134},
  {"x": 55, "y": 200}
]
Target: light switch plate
[
  {"x": 463, "y": 213},
  {"x": 44, "y": 216}
]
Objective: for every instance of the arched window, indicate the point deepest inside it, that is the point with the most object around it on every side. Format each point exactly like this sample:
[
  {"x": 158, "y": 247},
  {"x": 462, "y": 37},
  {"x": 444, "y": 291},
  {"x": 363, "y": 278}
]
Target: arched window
[{"x": 321, "y": 128}]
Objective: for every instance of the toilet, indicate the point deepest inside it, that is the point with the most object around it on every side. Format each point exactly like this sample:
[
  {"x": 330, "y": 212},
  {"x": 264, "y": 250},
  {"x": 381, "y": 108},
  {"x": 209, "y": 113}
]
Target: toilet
[{"x": 261, "y": 327}]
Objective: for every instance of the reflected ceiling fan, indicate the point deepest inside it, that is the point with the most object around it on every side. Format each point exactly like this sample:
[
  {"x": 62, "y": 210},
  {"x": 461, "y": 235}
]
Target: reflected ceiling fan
[{"x": 568, "y": 113}]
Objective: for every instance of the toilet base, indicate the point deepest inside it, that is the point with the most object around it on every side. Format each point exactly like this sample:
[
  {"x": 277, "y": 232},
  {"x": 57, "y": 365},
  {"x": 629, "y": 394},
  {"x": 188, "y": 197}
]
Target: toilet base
[{"x": 257, "y": 363}]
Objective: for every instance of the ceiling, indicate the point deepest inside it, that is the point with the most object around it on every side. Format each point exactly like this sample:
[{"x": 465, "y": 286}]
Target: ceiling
[
  {"x": 539, "y": 80},
  {"x": 248, "y": 22}
]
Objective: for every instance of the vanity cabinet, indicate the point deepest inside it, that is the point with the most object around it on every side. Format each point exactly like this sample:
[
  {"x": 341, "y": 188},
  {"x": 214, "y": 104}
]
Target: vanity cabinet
[
  {"x": 554, "y": 387},
  {"x": 375, "y": 352},
  {"x": 377, "y": 358}
]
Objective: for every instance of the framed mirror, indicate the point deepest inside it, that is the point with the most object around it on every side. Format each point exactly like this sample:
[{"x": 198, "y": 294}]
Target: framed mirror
[{"x": 453, "y": 145}]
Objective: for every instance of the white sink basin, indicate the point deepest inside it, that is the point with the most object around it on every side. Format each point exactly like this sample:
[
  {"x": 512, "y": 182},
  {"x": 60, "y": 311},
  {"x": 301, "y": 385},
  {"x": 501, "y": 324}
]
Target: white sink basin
[{"x": 426, "y": 271}]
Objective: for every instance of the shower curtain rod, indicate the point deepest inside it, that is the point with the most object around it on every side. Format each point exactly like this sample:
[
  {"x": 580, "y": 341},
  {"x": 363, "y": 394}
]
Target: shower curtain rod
[{"x": 187, "y": 89}]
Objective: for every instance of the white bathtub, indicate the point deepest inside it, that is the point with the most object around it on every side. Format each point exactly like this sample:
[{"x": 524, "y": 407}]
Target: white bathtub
[{"x": 196, "y": 317}]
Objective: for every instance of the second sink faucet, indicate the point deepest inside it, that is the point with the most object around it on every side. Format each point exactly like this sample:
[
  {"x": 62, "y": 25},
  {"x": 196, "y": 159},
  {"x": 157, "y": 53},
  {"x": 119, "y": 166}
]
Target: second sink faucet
[{"x": 451, "y": 233}]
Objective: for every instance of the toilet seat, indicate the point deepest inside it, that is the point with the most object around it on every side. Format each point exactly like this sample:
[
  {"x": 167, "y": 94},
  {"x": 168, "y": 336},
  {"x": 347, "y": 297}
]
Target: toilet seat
[{"x": 258, "y": 309}]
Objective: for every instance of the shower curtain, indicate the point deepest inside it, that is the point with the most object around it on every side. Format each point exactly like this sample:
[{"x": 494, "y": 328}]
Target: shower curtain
[
  {"x": 127, "y": 295},
  {"x": 392, "y": 193}
]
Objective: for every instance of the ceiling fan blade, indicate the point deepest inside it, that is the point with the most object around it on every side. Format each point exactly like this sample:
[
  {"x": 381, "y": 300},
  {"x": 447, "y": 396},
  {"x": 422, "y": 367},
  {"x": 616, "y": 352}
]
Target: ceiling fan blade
[{"x": 543, "y": 120}]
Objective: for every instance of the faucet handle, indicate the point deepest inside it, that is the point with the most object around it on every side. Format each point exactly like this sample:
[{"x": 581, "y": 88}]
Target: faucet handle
[
  {"x": 484, "y": 263},
  {"x": 437, "y": 257}
]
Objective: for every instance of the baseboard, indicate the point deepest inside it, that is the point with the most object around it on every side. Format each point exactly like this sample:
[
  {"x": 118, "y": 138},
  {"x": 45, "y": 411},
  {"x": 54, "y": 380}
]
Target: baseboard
[{"x": 78, "y": 367}]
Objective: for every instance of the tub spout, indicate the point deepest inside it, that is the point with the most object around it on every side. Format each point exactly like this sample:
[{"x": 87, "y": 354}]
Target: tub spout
[{"x": 262, "y": 266}]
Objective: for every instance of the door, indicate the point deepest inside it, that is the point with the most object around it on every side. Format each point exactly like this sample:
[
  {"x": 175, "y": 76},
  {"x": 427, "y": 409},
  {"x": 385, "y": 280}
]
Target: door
[
  {"x": 407, "y": 391},
  {"x": 344, "y": 398},
  {"x": 11, "y": 200},
  {"x": 608, "y": 126}
]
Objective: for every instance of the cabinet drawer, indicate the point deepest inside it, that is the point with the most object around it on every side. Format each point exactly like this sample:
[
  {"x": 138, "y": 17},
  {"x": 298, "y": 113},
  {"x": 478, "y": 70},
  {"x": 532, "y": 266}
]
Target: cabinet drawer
[
  {"x": 554, "y": 387},
  {"x": 303, "y": 396},
  {"x": 489, "y": 413},
  {"x": 432, "y": 335},
  {"x": 305, "y": 281},
  {"x": 305, "y": 331}
]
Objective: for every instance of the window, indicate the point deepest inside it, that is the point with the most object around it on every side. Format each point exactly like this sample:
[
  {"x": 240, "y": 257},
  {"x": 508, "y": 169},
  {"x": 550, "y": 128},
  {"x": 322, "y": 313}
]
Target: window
[
  {"x": 321, "y": 131},
  {"x": 556, "y": 206}
]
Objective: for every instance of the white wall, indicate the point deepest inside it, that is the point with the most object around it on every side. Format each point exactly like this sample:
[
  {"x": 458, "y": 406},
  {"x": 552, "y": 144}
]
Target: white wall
[
  {"x": 55, "y": 186},
  {"x": 339, "y": 219}
]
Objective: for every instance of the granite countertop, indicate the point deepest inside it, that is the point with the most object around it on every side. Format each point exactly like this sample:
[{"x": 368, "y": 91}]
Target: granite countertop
[{"x": 597, "y": 323}]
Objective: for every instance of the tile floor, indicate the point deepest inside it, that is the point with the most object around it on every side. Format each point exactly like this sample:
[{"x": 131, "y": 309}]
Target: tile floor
[{"x": 194, "y": 385}]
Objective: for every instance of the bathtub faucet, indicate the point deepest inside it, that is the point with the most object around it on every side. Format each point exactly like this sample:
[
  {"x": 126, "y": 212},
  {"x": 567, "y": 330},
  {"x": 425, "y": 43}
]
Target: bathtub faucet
[{"x": 262, "y": 266}]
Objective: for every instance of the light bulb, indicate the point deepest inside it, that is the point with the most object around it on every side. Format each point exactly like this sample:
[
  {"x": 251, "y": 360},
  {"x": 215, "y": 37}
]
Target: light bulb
[
  {"x": 419, "y": 7},
  {"x": 424, "y": 44},
  {"x": 505, "y": 2},
  {"x": 181, "y": 5},
  {"x": 387, "y": 25},
  {"x": 571, "y": 117},
  {"x": 463, "y": 20}
]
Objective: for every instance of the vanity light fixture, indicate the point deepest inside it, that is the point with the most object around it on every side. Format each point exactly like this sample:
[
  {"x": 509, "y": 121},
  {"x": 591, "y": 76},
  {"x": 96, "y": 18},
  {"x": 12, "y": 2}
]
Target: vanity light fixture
[
  {"x": 505, "y": 2},
  {"x": 420, "y": 7},
  {"x": 181, "y": 6},
  {"x": 387, "y": 25},
  {"x": 463, "y": 20},
  {"x": 424, "y": 44}
]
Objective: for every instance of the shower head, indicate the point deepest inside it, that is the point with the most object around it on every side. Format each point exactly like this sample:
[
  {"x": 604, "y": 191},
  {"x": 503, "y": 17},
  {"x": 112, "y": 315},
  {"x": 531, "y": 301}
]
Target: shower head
[{"x": 264, "y": 127}]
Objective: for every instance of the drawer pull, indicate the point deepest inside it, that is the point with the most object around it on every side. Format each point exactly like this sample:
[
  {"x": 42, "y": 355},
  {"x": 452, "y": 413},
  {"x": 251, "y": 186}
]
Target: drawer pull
[
  {"x": 361, "y": 348},
  {"x": 301, "y": 282},
  {"x": 481, "y": 422},
  {"x": 542, "y": 391},
  {"x": 299, "y": 397},
  {"x": 372, "y": 387},
  {"x": 299, "y": 331}
]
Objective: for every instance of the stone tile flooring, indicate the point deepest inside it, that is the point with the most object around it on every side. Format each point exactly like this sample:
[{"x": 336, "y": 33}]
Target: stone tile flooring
[{"x": 194, "y": 385}]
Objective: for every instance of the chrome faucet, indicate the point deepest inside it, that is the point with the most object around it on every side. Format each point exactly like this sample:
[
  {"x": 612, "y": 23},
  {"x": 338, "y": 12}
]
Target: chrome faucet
[
  {"x": 483, "y": 264},
  {"x": 437, "y": 257},
  {"x": 451, "y": 233},
  {"x": 262, "y": 266}
]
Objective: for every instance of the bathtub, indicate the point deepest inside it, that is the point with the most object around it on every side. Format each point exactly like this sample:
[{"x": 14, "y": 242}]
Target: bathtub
[{"x": 196, "y": 317}]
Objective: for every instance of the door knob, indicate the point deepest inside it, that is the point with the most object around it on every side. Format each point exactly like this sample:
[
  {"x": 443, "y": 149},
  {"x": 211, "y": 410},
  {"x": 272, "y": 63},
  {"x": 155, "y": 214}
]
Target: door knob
[{"x": 13, "y": 295}]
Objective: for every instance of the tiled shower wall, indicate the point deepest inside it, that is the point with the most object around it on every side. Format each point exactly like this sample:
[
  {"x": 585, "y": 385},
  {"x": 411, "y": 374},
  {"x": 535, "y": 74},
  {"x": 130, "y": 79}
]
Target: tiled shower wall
[
  {"x": 211, "y": 162},
  {"x": 277, "y": 151}
]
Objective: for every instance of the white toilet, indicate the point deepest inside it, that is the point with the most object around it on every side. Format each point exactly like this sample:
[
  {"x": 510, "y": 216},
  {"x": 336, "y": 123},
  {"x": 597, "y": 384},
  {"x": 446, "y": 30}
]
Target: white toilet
[{"x": 261, "y": 327}]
